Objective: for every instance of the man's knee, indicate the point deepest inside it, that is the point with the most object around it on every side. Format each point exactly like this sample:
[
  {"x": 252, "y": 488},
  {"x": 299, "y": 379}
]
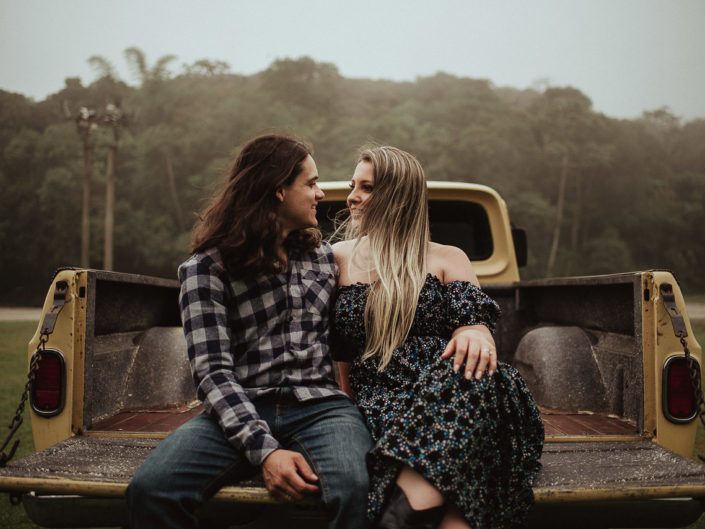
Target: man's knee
[
  {"x": 147, "y": 482},
  {"x": 352, "y": 480},
  {"x": 347, "y": 498}
]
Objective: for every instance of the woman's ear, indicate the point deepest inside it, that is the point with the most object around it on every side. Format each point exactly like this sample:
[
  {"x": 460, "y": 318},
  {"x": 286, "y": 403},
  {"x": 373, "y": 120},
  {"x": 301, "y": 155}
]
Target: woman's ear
[{"x": 280, "y": 194}]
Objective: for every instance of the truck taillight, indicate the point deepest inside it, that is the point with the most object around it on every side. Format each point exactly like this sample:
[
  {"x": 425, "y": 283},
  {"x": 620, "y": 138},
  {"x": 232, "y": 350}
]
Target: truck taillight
[
  {"x": 48, "y": 392},
  {"x": 679, "y": 404}
]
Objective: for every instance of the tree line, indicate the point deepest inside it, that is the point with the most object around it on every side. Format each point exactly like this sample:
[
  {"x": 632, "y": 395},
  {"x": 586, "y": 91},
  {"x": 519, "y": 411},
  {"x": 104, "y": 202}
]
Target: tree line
[{"x": 595, "y": 194}]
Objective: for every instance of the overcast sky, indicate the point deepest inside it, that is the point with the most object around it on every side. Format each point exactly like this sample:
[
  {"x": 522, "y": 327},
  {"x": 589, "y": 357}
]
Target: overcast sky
[{"x": 627, "y": 56}]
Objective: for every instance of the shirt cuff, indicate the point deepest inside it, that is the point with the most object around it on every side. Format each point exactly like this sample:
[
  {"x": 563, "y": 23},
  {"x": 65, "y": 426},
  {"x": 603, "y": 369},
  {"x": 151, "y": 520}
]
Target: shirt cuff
[{"x": 263, "y": 447}]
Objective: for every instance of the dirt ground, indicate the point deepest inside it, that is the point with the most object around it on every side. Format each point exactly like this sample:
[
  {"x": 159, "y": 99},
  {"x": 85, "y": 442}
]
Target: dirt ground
[
  {"x": 20, "y": 314},
  {"x": 696, "y": 311}
]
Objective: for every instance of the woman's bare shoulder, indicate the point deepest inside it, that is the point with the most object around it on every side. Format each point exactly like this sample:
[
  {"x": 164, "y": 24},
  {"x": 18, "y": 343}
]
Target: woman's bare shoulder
[
  {"x": 343, "y": 247},
  {"x": 445, "y": 251},
  {"x": 450, "y": 263},
  {"x": 341, "y": 251}
]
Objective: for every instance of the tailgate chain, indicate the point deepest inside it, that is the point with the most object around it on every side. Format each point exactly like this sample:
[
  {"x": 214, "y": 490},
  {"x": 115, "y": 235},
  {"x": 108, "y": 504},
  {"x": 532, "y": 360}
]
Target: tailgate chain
[
  {"x": 695, "y": 380},
  {"x": 679, "y": 330},
  {"x": 60, "y": 293}
]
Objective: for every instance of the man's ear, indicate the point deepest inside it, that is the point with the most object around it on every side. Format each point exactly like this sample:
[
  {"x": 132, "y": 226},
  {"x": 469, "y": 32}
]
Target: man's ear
[{"x": 280, "y": 194}]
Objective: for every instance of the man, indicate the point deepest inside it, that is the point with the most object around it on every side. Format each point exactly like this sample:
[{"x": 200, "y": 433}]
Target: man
[{"x": 255, "y": 302}]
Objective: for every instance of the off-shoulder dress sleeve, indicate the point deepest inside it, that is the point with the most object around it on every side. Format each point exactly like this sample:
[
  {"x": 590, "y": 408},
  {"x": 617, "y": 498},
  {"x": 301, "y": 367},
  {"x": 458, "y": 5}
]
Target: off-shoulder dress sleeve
[{"x": 469, "y": 305}]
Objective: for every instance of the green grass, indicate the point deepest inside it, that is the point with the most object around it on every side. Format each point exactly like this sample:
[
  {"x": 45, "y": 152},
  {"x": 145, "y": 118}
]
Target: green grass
[{"x": 14, "y": 337}]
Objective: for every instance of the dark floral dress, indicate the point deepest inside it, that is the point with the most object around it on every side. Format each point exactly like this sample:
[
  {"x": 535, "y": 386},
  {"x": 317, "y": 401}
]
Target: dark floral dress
[{"x": 477, "y": 441}]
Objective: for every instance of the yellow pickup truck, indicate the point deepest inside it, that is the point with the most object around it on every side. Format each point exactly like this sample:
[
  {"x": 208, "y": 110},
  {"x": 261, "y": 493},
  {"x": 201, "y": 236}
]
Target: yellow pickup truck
[{"x": 611, "y": 360}]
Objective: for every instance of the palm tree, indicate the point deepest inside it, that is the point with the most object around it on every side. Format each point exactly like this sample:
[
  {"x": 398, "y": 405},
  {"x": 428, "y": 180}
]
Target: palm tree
[
  {"x": 138, "y": 63},
  {"x": 103, "y": 66}
]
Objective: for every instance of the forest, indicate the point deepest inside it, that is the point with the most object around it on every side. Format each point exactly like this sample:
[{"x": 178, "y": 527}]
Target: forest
[{"x": 595, "y": 194}]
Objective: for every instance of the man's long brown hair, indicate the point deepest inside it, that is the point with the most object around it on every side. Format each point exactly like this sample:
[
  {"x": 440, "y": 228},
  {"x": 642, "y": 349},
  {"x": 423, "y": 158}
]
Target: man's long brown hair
[{"x": 241, "y": 219}]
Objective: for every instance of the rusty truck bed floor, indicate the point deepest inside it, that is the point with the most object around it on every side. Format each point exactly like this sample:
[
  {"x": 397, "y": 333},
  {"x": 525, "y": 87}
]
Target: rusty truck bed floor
[
  {"x": 148, "y": 421},
  {"x": 556, "y": 422}
]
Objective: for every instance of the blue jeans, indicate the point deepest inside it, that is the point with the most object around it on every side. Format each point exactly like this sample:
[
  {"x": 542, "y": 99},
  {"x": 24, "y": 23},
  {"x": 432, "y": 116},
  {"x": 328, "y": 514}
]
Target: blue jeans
[{"x": 196, "y": 460}]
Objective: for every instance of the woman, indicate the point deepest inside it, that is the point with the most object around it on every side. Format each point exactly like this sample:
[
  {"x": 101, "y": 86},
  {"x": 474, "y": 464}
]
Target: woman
[{"x": 457, "y": 435}]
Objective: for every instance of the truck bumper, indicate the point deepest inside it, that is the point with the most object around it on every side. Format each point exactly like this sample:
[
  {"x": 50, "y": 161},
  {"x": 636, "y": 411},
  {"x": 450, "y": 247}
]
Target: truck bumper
[
  {"x": 78, "y": 511},
  {"x": 71, "y": 511},
  {"x": 657, "y": 513}
]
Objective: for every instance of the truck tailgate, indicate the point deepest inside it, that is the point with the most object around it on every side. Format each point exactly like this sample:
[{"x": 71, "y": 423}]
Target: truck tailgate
[{"x": 571, "y": 471}]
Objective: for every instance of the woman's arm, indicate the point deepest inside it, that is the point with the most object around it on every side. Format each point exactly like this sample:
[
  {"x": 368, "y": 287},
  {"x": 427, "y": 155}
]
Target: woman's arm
[
  {"x": 344, "y": 380},
  {"x": 470, "y": 344}
]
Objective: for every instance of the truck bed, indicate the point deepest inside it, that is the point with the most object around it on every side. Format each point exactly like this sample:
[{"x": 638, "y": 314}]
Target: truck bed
[
  {"x": 103, "y": 466},
  {"x": 578, "y": 445},
  {"x": 599, "y": 468}
]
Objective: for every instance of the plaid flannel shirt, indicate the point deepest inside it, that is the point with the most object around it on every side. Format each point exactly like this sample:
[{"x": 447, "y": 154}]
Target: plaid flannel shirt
[{"x": 248, "y": 337}]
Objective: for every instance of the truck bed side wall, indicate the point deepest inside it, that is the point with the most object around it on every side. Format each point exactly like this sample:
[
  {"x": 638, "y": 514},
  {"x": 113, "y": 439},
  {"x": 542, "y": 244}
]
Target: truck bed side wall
[
  {"x": 549, "y": 314},
  {"x": 123, "y": 310},
  {"x": 568, "y": 326}
]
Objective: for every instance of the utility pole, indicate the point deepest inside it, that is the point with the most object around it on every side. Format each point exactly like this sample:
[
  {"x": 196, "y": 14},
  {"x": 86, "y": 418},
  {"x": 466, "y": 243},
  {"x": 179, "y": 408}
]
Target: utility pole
[
  {"x": 114, "y": 118},
  {"x": 85, "y": 125}
]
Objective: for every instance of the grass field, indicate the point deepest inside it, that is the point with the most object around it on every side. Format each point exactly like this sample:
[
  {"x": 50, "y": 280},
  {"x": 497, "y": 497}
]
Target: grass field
[
  {"x": 13, "y": 368},
  {"x": 14, "y": 337}
]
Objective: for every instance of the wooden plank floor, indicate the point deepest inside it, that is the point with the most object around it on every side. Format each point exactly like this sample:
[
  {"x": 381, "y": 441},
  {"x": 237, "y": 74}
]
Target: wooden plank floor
[
  {"x": 556, "y": 422},
  {"x": 148, "y": 421},
  {"x": 559, "y": 422}
]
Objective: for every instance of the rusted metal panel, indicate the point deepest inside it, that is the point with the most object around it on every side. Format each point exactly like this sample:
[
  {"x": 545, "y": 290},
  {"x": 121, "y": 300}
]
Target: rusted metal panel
[
  {"x": 556, "y": 422},
  {"x": 147, "y": 421},
  {"x": 600, "y": 471},
  {"x": 571, "y": 423}
]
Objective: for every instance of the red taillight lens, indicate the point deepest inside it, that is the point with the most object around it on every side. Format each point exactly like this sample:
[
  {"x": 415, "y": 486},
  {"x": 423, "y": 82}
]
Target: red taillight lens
[
  {"x": 679, "y": 397},
  {"x": 48, "y": 386}
]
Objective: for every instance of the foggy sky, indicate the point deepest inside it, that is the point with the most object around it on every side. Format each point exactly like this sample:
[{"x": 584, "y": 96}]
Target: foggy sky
[{"x": 627, "y": 56}]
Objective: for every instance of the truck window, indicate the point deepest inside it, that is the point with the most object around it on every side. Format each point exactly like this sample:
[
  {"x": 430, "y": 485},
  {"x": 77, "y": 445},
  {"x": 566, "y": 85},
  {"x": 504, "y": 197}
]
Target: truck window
[{"x": 455, "y": 222}]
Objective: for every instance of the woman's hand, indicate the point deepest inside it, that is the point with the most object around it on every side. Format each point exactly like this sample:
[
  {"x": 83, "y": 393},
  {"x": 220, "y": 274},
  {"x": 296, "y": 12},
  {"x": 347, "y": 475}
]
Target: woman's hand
[
  {"x": 474, "y": 346},
  {"x": 344, "y": 378}
]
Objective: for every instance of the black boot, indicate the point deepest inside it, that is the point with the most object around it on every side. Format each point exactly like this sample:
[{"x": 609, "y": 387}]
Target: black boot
[{"x": 398, "y": 514}]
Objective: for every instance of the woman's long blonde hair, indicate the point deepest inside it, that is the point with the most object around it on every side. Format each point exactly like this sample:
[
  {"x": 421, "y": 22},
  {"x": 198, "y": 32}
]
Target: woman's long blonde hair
[{"x": 395, "y": 222}]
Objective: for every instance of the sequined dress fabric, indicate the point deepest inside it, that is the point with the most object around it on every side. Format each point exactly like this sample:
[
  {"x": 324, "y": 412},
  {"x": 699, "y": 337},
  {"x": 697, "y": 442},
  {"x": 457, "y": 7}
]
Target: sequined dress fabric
[{"x": 477, "y": 441}]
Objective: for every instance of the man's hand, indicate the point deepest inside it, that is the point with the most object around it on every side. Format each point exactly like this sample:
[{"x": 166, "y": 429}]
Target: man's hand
[{"x": 287, "y": 475}]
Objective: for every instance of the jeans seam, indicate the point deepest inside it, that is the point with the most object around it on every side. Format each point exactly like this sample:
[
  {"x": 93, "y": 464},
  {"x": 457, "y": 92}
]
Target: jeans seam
[
  {"x": 277, "y": 414},
  {"x": 324, "y": 486},
  {"x": 218, "y": 480}
]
